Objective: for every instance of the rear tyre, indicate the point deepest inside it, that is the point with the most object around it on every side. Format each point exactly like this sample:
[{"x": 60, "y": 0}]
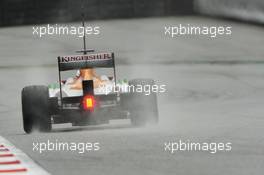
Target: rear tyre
[
  {"x": 35, "y": 109},
  {"x": 143, "y": 108}
]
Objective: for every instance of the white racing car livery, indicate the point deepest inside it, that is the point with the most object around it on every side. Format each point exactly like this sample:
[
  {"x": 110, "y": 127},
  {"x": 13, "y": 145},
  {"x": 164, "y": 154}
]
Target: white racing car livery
[{"x": 91, "y": 104}]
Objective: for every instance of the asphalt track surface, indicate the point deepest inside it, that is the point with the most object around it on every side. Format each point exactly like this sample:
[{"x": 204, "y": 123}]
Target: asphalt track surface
[{"x": 215, "y": 93}]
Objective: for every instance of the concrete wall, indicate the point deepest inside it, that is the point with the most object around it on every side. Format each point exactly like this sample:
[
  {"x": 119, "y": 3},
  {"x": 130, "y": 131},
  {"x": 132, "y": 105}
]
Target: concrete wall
[
  {"x": 17, "y": 12},
  {"x": 247, "y": 10}
]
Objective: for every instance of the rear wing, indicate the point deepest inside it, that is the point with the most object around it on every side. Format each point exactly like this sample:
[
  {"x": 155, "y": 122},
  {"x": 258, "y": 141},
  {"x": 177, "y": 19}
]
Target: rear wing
[
  {"x": 74, "y": 62},
  {"x": 93, "y": 60}
]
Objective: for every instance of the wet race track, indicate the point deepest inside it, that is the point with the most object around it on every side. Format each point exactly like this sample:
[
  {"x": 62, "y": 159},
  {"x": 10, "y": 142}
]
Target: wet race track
[{"x": 215, "y": 93}]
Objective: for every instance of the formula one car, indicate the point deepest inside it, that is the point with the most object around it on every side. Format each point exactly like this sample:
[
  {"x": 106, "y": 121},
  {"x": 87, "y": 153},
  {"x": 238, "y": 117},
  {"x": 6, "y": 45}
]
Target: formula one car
[{"x": 43, "y": 106}]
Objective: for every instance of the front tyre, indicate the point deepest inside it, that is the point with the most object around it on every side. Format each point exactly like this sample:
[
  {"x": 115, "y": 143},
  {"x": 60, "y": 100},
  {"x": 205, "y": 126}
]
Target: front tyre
[{"x": 35, "y": 109}]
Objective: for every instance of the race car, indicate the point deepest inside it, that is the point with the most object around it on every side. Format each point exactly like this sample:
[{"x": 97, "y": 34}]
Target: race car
[{"x": 58, "y": 103}]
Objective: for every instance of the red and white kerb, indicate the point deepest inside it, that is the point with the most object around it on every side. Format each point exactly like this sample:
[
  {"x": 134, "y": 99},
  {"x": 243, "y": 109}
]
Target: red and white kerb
[
  {"x": 14, "y": 161},
  {"x": 9, "y": 162}
]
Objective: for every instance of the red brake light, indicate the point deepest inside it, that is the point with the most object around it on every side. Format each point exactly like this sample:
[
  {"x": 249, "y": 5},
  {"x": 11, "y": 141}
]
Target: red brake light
[{"x": 88, "y": 103}]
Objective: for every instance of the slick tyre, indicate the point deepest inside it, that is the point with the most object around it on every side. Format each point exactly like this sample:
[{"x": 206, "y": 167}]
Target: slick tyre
[{"x": 35, "y": 109}]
